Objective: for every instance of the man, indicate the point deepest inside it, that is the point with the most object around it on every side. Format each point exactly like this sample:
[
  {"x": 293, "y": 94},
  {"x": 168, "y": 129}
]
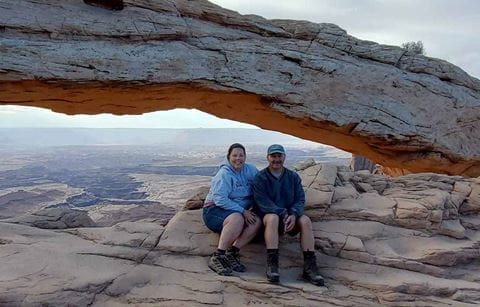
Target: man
[{"x": 280, "y": 199}]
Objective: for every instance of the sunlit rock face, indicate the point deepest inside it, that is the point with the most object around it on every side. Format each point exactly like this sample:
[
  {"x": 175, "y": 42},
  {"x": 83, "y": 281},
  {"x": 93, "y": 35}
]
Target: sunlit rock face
[
  {"x": 404, "y": 241},
  {"x": 314, "y": 81}
]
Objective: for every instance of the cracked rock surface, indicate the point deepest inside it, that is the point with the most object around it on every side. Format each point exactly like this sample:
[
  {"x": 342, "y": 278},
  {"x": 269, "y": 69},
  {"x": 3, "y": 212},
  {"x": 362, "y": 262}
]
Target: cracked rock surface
[
  {"x": 54, "y": 218},
  {"x": 405, "y": 241},
  {"x": 399, "y": 109}
]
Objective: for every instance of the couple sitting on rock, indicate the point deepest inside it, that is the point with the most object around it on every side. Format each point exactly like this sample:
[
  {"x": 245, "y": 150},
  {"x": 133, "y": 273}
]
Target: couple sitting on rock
[{"x": 242, "y": 199}]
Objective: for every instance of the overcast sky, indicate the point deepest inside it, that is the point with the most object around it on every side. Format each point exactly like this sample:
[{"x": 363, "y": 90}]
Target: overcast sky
[{"x": 447, "y": 28}]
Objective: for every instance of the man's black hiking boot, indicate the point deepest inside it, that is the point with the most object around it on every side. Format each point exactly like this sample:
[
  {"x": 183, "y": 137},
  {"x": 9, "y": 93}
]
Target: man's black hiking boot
[
  {"x": 233, "y": 258},
  {"x": 272, "y": 266},
  {"x": 219, "y": 264},
  {"x": 310, "y": 269}
]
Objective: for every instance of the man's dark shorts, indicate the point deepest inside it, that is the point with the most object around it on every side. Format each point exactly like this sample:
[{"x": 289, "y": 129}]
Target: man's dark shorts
[
  {"x": 214, "y": 217},
  {"x": 281, "y": 225}
]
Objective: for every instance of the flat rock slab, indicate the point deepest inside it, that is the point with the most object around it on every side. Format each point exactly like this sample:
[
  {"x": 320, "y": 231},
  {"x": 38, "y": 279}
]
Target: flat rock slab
[
  {"x": 185, "y": 231},
  {"x": 40, "y": 266}
]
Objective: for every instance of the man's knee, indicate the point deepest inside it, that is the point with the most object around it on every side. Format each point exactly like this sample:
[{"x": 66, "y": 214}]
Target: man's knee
[
  {"x": 305, "y": 222},
  {"x": 271, "y": 219}
]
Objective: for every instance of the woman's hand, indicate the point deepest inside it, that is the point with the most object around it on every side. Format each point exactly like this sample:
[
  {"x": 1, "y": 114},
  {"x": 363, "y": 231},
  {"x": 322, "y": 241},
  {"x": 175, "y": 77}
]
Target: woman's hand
[{"x": 250, "y": 217}]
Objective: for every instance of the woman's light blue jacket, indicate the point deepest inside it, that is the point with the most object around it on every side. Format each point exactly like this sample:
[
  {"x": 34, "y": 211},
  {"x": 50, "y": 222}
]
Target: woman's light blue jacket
[{"x": 232, "y": 190}]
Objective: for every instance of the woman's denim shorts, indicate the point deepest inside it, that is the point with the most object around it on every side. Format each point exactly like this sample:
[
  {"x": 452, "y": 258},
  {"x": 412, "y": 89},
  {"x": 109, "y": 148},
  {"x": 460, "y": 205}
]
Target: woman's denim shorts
[{"x": 215, "y": 216}]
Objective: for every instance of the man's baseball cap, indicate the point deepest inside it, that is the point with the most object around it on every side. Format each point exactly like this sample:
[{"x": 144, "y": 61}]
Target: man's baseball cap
[{"x": 275, "y": 148}]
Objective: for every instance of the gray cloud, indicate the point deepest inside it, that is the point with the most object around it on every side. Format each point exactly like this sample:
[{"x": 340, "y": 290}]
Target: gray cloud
[{"x": 448, "y": 29}]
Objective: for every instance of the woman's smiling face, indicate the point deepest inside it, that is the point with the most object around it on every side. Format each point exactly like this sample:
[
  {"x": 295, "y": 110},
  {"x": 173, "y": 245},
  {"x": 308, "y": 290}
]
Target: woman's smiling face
[{"x": 237, "y": 158}]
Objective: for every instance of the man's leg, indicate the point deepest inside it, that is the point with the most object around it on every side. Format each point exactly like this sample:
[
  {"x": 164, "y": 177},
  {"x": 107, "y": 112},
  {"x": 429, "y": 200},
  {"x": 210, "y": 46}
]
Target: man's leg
[
  {"x": 271, "y": 230},
  {"x": 307, "y": 242},
  {"x": 271, "y": 240}
]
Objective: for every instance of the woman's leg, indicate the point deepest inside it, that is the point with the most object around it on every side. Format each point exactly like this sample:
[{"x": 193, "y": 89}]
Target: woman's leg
[
  {"x": 232, "y": 228},
  {"x": 233, "y": 253},
  {"x": 248, "y": 234},
  {"x": 229, "y": 225}
]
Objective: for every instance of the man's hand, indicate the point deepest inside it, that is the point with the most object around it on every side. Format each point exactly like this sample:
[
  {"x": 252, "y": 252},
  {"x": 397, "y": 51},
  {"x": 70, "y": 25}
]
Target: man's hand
[
  {"x": 250, "y": 217},
  {"x": 289, "y": 222}
]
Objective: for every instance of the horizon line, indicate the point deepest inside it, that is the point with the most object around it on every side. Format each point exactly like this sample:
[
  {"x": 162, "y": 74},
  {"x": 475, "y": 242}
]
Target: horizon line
[{"x": 138, "y": 128}]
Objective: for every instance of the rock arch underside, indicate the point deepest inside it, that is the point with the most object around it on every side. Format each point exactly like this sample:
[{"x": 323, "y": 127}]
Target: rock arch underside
[{"x": 311, "y": 80}]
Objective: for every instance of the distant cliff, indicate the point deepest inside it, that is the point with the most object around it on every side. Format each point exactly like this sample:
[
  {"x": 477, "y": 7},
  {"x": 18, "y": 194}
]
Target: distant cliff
[{"x": 123, "y": 136}]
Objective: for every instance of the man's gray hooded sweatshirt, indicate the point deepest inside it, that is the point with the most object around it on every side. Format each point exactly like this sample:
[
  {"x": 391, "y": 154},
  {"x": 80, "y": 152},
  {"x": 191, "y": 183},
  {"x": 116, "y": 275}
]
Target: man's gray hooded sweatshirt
[{"x": 231, "y": 189}]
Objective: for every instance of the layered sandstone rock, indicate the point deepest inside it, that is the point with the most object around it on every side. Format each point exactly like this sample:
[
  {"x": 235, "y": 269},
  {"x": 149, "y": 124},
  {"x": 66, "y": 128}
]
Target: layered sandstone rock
[
  {"x": 399, "y": 109},
  {"x": 411, "y": 240},
  {"x": 54, "y": 218},
  {"x": 197, "y": 200},
  {"x": 405, "y": 241}
]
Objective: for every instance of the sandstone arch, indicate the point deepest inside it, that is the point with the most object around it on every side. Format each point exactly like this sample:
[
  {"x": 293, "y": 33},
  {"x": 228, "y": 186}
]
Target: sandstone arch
[{"x": 311, "y": 80}]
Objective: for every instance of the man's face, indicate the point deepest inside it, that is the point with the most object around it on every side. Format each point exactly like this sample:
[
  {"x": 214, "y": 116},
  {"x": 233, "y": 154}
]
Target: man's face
[{"x": 275, "y": 161}]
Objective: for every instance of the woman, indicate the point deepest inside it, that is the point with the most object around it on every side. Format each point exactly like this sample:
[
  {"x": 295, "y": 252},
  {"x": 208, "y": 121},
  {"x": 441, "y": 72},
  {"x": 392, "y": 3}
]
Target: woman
[{"x": 227, "y": 211}]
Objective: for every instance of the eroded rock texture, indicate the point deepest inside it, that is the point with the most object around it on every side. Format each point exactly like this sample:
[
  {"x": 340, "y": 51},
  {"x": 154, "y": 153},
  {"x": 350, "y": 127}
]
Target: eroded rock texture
[
  {"x": 405, "y": 241},
  {"x": 54, "y": 218},
  {"x": 314, "y": 81}
]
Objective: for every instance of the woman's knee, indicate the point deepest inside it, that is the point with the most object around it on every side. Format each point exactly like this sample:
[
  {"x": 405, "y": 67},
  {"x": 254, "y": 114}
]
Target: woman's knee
[
  {"x": 271, "y": 219},
  {"x": 235, "y": 219}
]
